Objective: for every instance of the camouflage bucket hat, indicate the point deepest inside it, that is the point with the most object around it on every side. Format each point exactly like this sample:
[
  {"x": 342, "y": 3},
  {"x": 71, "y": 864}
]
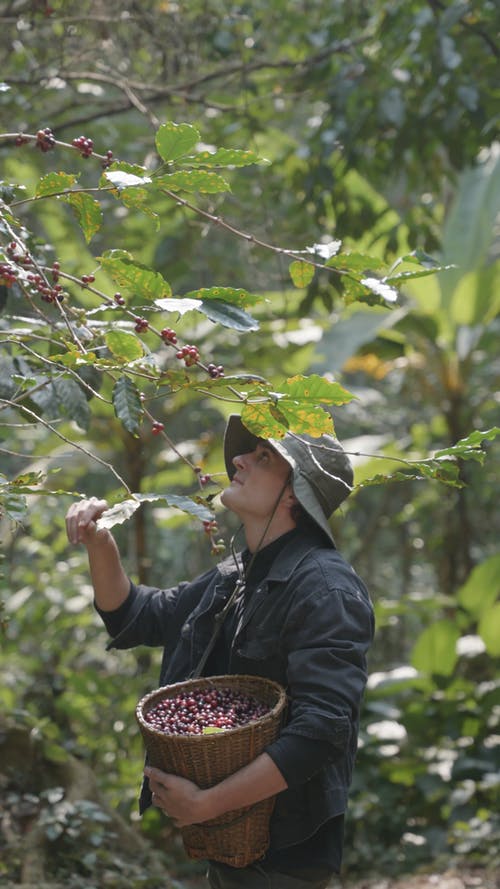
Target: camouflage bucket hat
[{"x": 322, "y": 475}]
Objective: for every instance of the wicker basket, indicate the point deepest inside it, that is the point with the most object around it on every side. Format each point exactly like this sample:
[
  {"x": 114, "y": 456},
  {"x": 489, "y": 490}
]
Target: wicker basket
[{"x": 241, "y": 836}]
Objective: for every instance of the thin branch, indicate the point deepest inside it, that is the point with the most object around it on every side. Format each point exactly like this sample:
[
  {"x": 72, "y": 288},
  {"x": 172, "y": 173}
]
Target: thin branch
[{"x": 67, "y": 441}]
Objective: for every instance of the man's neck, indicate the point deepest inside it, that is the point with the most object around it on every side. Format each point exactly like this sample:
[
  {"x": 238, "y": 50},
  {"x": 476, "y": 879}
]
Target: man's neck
[{"x": 257, "y": 537}]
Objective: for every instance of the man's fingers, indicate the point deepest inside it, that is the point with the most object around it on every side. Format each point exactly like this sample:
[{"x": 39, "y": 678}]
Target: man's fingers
[{"x": 81, "y": 518}]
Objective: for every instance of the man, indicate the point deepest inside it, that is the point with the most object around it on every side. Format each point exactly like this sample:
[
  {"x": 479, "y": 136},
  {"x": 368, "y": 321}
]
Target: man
[{"x": 302, "y": 617}]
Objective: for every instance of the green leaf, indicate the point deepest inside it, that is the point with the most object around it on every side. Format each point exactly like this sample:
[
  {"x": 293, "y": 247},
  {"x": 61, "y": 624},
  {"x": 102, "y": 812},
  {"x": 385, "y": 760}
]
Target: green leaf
[
  {"x": 124, "y": 345},
  {"x": 229, "y": 316},
  {"x": 73, "y": 401},
  {"x": 355, "y": 262},
  {"x": 175, "y": 140},
  {"x": 180, "y": 305},
  {"x": 121, "y": 179},
  {"x": 481, "y": 588},
  {"x": 234, "y": 295},
  {"x": 314, "y": 389},
  {"x": 301, "y": 273},
  {"x": 489, "y": 630},
  {"x": 127, "y": 404},
  {"x": 88, "y": 212},
  {"x": 126, "y": 272},
  {"x": 54, "y": 183},
  {"x": 470, "y": 447},
  {"x": 123, "y": 511},
  {"x": 380, "y": 288},
  {"x": 227, "y": 157},
  {"x": 211, "y": 730},
  {"x": 205, "y": 182},
  {"x": 435, "y": 650}
]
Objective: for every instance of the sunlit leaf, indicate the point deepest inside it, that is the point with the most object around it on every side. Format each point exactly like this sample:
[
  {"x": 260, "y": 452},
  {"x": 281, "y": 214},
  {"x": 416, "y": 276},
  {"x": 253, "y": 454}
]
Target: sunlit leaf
[
  {"x": 124, "y": 345},
  {"x": 126, "y": 272},
  {"x": 226, "y": 157},
  {"x": 234, "y": 295},
  {"x": 379, "y": 288},
  {"x": 489, "y": 630},
  {"x": 122, "y": 512},
  {"x": 55, "y": 183},
  {"x": 482, "y": 587},
  {"x": 203, "y": 181},
  {"x": 121, "y": 179},
  {"x": 314, "y": 389},
  {"x": 435, "y": 650},
  {"x": 88, "y": 212},
  {"x": 181, "y": 305},
  {"x": 301, "y": 273},
  {"x": 175, "y": 140},
  {"x": 355, "y": 262}
]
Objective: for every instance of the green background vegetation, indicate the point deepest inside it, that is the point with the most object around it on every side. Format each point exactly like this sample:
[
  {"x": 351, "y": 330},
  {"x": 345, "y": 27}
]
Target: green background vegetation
[{"x": 380, "y": 123}]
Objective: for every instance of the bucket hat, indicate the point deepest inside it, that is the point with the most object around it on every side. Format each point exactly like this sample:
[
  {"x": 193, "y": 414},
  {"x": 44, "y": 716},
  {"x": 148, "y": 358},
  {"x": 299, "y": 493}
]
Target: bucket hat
[{"x": 322, "y": 475}]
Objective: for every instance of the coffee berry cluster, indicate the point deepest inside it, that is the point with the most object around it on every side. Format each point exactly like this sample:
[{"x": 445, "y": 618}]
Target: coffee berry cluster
[{"x": 193, "y": 712}]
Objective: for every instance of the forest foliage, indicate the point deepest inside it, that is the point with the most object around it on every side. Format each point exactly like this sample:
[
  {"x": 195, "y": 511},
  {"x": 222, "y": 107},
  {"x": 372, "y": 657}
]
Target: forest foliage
[{"x": 267, "y": 214}]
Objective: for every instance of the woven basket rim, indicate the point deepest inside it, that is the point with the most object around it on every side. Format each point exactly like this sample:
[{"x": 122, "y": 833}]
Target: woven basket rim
[{"x": 221, "y": 680}]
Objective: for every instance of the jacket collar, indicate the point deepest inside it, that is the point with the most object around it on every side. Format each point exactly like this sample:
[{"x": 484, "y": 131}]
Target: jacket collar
[{"x": 287, "y": 559}]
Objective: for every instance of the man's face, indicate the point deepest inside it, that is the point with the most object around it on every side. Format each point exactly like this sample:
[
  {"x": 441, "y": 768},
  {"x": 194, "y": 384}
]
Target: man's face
[{"x": 260, "y": 478}]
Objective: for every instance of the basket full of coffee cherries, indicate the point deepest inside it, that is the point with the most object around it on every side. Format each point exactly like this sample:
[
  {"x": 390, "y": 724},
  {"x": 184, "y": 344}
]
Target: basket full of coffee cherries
[{"x": 205, "y": 729}]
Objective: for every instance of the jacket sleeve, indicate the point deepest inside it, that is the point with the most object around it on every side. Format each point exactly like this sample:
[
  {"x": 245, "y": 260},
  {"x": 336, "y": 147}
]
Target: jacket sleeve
[
  {"x": 327, "y": 633},
  {"x": 152, "y": 616}
]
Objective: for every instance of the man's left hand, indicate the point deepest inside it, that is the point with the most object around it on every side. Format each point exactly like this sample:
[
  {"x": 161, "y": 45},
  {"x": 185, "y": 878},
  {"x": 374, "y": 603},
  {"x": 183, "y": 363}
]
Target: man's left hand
[{"x": 177, "y": 797}]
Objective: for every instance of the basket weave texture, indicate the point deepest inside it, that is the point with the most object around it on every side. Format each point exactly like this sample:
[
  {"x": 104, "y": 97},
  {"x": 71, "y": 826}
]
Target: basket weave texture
[{"x": 241, "y": 836}]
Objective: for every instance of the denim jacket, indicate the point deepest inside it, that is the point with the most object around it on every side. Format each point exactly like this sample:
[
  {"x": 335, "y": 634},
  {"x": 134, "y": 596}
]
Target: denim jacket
[{"x": 308, "y": 625}]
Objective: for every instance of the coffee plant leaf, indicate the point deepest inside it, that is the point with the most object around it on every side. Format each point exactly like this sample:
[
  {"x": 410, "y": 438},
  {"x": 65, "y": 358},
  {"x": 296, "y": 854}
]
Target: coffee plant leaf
[
  {"x": 55, "y": 183},
  {"x": 127, "y": 404},
  {"x": 87, "y": 211},
  {"x": 122, "y": 179},
  {"x": 204, "y": 181},
  {"x": 73, "y": 402},
  {"x": 234, "y": 295},
  {"x": 480, "y": 591},
  {"x": 355, "y": 262},
  {"x": 301, "y": 273},
  {"x": 124, "y": 510},
  {"x": 259, "y": 419},
  {"x": 135, "y": 276},
  {"x": 226, "y": 157},
  {"x": 304, "y": 420},
  {"x": 227, "y": 315},
  {"x": 380, "y": 288},
  {"x": 471, "y": 446},
  {"x": 181, "y": 305},
  {"x": 124, "y": 345},
  {"x": 314, "y": 389},
  {"x": 174, "y": 140}
]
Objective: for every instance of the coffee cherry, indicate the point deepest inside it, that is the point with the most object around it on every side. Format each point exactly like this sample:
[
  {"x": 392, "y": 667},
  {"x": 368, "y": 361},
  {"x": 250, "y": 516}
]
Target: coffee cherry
[
  {"x": 7, "y": 275},
  {"x": 141, "y": 324},
  {"x": 84, "y": 145},
  {"x": 108, "y": 159},
  {"x": 20, "y": 140},
  {"x": 204, "y": 479},
  {"x": 190, "y": 712},
  {"x": 168, "y": 335},
  {"x": 188, "y": 354},
  {"x": 157, "y": 427},
  {"x": 118, "y": 298},
  {"x": 215, "y": 371},
  {"x": 45, "y": 139}
]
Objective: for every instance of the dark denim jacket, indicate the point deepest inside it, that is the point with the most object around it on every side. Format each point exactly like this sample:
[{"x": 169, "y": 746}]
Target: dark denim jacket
[{"x": 308, "y": 625}]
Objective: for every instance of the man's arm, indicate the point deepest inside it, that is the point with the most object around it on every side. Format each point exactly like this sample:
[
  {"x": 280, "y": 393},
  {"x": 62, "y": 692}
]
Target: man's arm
[
  {"x": 187, "y": 803},
  {"x": 111, "y": 584}
]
